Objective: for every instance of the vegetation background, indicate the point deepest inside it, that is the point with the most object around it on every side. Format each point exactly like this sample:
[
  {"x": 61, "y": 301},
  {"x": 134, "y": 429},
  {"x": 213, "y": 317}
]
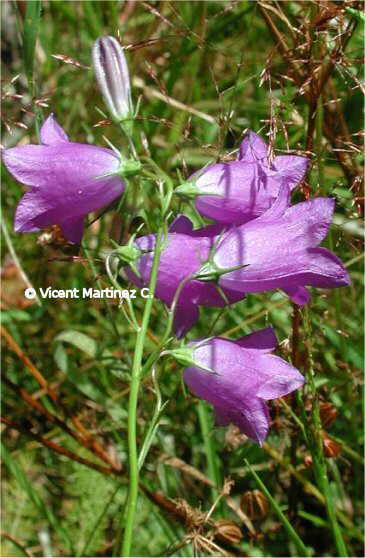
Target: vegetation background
[{"x": 205, "y": 72}]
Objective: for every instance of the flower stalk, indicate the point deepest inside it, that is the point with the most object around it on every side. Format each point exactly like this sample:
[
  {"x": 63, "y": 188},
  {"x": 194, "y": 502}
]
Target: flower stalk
[{"x": 132, "y": 405}]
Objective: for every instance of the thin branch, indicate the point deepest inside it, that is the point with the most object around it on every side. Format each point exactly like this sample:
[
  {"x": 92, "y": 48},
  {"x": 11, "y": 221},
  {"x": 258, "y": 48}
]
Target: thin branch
[
  {"x": 87, "y": 439},
  {"x": 57, "y": 448}
]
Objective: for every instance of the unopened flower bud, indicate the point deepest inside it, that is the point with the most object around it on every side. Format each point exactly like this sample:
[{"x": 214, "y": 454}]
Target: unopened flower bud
[
  {"x": 254, "y": 504},
  {"x": 111, "y": 71}
]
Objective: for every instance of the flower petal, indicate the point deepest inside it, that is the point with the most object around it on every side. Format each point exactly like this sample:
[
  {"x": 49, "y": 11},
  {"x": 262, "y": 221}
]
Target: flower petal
[
  {"x": 271, "y": 237},
  {"x": 29, "y": 208},
  {"x": 252, "y": 149},
  {"x": 290, "y": 168},
  {"x": 298, "y": 295},
  {"x": 316, "y": 267},
  {"x": 284, "y": 378},
  {"x": 62, "y": 169},
  {"x": 181, "y": 224},
  {"x": 73, "y": 229},
  {"x": 254, "y": 420},
  {"x": 185, "y": 317},
  {"x": 51, "y": 132},
  {"x": 263, "y": 340}
]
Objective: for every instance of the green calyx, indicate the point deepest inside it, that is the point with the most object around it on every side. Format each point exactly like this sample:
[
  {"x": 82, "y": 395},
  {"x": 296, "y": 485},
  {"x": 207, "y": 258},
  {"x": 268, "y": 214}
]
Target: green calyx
[
  {"x": 187, "y": 190},
  {"x": 209, "y": 271},
  {"x": 185, "y": 356},
  {"x": 128, "y": 253},
  {"x": 129, "y": 167}
]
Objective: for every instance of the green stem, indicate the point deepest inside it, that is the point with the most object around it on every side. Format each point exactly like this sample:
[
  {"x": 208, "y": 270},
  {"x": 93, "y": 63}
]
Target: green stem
[
  {"x": 205, "y": 425},
  {"x": 293, "y": 535},
  {"x": 132, "y": 406},
  {"x": 316, "y": 446}
]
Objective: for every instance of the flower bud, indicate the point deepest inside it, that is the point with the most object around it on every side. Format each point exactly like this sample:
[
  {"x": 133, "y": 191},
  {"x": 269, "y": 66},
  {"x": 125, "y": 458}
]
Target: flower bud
[
  {"x": 254, "y": 504},
  {"x": 111, "y": 71}
]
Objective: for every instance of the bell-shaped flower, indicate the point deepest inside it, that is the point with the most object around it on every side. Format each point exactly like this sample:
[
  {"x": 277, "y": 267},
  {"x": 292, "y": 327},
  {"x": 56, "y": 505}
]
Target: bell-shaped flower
[
  {"x": 111, "y": 71},
  {"x": 241, "y": 190},
  {"x": 238, "y": 377},
  {"x": 67, "y": 180},
  {"x": 183, "y": 252},
  {"x": 279, "y": 250}
]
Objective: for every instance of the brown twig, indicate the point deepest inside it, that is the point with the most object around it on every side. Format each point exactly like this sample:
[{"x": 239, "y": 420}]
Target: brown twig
[
  {"x": 16, "y": 543},
  {"x": 54, "y": 419},
  {"x": 86, "y": 438},
  {"x": 57, "y": 448},
  {"x": 311, "y": 87}
]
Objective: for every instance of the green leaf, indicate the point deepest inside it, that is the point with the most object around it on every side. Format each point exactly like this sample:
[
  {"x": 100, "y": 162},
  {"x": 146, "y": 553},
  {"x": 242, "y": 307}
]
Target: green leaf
[
  {"x": 30, "y": 33},
  {"x": 360, "y": 16},
  {"x": 79, "y": 340}
]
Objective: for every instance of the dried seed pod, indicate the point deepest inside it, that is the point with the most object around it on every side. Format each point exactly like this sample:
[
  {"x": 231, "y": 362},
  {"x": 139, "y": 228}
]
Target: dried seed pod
[
  {"x": 254, "y": 504},
  {"x": 330, "y": 447},
  {"x": 228, "y": 530},
  {"x": 328, "y": 414}
]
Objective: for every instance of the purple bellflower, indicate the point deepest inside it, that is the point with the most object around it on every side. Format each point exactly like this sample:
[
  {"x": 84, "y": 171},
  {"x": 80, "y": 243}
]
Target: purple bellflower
[
  {"x": 238, "y": 191},
  {"x": 67, "y": 180},
  {"x": 279, "y": 250},
  {"x": 183, "y": 253},
  {"x": 238, "y": 377}
]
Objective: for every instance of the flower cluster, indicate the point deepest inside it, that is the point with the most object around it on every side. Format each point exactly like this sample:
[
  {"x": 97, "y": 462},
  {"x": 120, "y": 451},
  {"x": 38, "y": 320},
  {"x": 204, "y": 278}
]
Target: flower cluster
[{"x": 259, "y": 242}]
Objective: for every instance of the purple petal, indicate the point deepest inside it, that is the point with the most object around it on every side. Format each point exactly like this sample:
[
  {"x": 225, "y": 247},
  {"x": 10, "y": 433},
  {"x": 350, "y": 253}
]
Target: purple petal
[
  {"x": 239, "y": 194},
  {"x": 291, "y": 169},
  {"x": 51, "y": 132},
  {"x": 266, "y": 239},
  {"x": 73, "y": 229},
  {"x": 185, "y": 317},
  {"x": 181, "y": 224},
  {"x": 278, "y": 207},
  {"x": 30, "y": 206},
  {"x": 316, "y": 267},
  {"x": 252, "y": 149},
  {"x": 241, "y": 375},
  {"x": 284, "y": 378},
  {"x": 298, "y": 295},
  {"x": 263, "y": 340},
  {"x": 60, "y": 168},
  {"x": 254, "y": 420}
]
